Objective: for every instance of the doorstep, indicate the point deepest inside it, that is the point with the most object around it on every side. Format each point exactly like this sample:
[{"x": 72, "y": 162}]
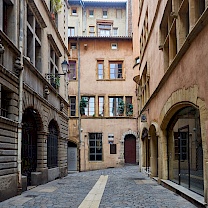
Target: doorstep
[{"x": 191, "y": 196}]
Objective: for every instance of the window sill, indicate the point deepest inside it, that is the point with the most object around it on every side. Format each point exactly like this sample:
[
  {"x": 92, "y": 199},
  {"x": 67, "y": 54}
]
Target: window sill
[{"x": 119, "y": 79}]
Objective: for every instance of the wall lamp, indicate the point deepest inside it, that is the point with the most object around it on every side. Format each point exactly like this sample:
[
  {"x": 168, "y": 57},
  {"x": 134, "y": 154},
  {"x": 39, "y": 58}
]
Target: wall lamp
[{"x": 55, "y": 77}]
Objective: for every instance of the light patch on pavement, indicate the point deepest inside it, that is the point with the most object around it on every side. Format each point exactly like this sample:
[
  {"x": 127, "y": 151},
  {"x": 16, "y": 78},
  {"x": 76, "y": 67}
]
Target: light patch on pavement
[
  {"x": 92, "y": 200},
  {"x": 48, "y": 189},
  {"x": 144, "y": 182},
  {"x": 20, "y": 200}
]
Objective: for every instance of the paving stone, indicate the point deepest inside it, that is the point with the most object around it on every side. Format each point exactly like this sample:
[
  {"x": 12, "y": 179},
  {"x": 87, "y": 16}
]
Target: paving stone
[{"x": 126, "y": 188}]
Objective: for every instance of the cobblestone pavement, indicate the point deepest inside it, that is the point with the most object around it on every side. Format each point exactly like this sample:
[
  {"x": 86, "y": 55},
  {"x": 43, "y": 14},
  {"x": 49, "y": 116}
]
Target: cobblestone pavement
[{"x": 125, "y": 188}]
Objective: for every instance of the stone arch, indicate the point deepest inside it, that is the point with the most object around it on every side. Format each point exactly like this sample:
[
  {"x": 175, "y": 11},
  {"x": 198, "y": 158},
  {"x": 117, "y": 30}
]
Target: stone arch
[
  {"x": 128, "y": 133},
  {"x": 179, "y": 99}
]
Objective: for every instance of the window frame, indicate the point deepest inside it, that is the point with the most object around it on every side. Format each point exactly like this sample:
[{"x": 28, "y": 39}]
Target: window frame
[
  {"x": 90, "y": 100},
  {"x": 100, "y": 62},
  {"x": 72, "y": 104},
  {"x": 116, "y": 68},
  {"x": 71, "y": 31},
  {"x": 98, "y": 145},
  {"x": 72, "y": 11},
  {"x": 113, "y": 111},
  {"x": 72, "y": 75}
]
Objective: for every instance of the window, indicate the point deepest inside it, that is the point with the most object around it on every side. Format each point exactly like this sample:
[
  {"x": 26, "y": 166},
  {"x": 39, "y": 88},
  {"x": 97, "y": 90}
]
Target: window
[
  {"x": 95, "y": 146},
  {"x": 71, "y": 31},
  {"x": 72, "y": 70},
  {"x": 4, "y": 101},
  {"x": 114, "y": 46},
  {"x": 101, "y": 105},
  {"x": 91, "y": 13},
  {"x": 8, "y": 17},
  {"x": 72, "y": 103},
  {"x": 89, "y": 110},
  {"x": 52, "y": 145},
  {"x": 115, "y": 31},
  {"x": 100, "y": 69},
  {"x": 92, "y": 30},
  {"x": 116, "y": 70},
  {"x": 104, "y": 29},
  {"x": 73, "y": 46},
  {"x": 129, "y": 106},
  {"x": 33, "y": 40},
  {"x": 118, "y": 13},
  {"x": 53, "y": 70},
  {"x": 116, "y": 106},
  {"x": 105, "y": 14},
  {"x": 74, "y": 11}
]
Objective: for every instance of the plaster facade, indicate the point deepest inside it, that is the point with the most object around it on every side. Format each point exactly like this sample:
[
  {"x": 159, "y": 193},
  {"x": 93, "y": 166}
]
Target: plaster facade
[
  {"x": 94, "y": 54},
  {"x": 172, "y": 58}
]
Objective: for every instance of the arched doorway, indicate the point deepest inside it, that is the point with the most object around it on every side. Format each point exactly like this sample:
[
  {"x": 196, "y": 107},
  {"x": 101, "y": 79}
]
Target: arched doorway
[
  {"x": 72, "y": 156},
  {"x": 29, "y": 144},
  {"x": 52, "y": 145},
  {"x": 130, "y": 149},
  {"x": 146, "y": 150},
  {"x": 185, "y": 155},
  {"x": 154, "y": 151}
]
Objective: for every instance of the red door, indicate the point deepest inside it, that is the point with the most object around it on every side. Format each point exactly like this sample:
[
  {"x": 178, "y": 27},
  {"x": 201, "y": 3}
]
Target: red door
[{"x": 130, "y": 149}]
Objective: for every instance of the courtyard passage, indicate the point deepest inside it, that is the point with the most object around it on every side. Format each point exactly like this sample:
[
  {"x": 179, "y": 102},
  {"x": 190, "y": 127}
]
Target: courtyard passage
[{"x": 109, "y": 188}]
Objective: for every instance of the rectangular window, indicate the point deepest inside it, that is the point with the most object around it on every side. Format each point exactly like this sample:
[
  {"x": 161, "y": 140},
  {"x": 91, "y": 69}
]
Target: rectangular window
[
  {"x": 114, "y": 46},
  {"x": 115, "y": 31},
  {"x": 91, "y": 30},
  {"x": 72, "y": 102},
  {"x": 129, "y": 106},
  {"x": 112, "y": 148},
  {"x": 72, "y": 70},
  {"x": 74, "y": 11},
  {"x": 5, "y": 99},
  {"x": 53, "y": 69},
  {"x": 91, "y": 13},
  {"x": 118, "y": 13},
  {"x": 33, "y": 40},
  {"x": 95, "y": 146},
  {"x": 116, "y": 106},
  {"x": 104, "y": 29},
  {"x": 116, "y": 70},
  {"x": 71, "y": 31},
  {"x": 101, "y": 105},
  {"x": 100, "y": 70},
  {"x": 105, "y": 14},
  {"x": 89, "y": 110},
  {"x": 73, "y": 46}
]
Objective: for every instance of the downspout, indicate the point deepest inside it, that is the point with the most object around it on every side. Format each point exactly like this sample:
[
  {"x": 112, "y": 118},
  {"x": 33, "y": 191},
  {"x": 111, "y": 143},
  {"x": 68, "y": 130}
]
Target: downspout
[
  {"x": 79, "y": 98},
  {"x": 19, "y": 136}
]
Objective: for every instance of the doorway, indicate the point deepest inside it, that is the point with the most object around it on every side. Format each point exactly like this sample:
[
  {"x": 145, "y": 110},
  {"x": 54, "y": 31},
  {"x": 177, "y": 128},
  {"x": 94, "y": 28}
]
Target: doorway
[
  {"x": 130, "y": 149},
  {"x": 72, "y": 156},
  {"x": 29, "y": 144}
]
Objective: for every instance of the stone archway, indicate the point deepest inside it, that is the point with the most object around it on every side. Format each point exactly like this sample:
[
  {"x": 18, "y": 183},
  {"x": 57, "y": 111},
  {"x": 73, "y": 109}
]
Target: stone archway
[
  {"x": 30, "y": 130},
  {"x": 179, "y": 99}
]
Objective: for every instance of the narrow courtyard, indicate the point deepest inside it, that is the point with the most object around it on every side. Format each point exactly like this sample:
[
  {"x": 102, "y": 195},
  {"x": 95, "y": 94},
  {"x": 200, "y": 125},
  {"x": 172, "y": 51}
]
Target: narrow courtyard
[{"x": 124, "y": 187}]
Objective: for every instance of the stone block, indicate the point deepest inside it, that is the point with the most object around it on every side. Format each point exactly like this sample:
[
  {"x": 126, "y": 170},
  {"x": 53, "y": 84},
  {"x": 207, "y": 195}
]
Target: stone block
[
  {"x": 53, "y": 174},
  {"x": 36, "y": 178},
  {"x": 8, "y": 186},
  {"x": 44, "y": 175},
  {"x": 24, "y": 183}
]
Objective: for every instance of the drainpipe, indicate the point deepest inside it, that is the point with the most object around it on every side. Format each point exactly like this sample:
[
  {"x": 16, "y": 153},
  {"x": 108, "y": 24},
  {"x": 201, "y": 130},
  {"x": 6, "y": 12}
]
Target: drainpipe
[
  {"x": 19, "y": 138},
  {"x": 79, "y": 98}
]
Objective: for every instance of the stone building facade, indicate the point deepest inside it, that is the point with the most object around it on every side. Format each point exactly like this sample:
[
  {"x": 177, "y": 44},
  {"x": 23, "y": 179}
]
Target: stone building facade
[
  {"x": 103, "y": 114},
  {"x": 170, "y": 53},
  {"x": 33, "y": 97}
]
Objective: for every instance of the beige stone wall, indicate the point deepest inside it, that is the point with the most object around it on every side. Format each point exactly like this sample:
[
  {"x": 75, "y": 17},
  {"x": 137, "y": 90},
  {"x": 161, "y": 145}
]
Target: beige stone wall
[{"x": 176, "y": 80}]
